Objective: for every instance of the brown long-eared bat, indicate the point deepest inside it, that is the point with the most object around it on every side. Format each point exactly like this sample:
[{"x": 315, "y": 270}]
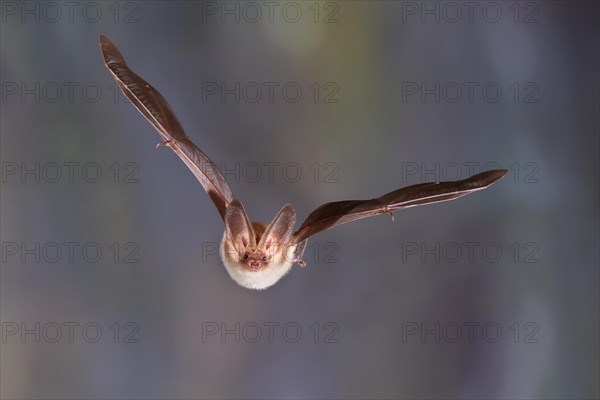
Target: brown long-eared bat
[{"x": 257, "y": 255}]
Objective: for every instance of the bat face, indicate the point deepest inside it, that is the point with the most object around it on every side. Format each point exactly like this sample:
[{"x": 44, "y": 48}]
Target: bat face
[{"x": 257, "y": 255}]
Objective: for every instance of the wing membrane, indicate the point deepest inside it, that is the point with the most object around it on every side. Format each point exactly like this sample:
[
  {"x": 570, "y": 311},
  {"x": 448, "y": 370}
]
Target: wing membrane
[
  {"x": 158, "y": 112},
  {"x": 340, "y": 212}
]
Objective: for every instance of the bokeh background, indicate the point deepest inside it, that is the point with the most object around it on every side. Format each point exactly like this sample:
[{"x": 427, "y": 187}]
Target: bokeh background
[{"x": 386, "y": 309}]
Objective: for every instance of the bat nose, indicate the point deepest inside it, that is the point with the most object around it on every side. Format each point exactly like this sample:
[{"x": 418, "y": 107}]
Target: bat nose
[{"x": 255, "y": 265}]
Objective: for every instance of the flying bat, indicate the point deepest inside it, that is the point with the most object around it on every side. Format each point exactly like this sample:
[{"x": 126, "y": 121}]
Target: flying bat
[{"x": 257, "y": 255}]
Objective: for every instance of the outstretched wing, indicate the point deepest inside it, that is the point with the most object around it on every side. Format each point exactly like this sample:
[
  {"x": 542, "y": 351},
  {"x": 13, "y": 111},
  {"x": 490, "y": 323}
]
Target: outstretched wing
[
  {"x": 158, "y": 112},
  {"x": 340, "y": 212}
]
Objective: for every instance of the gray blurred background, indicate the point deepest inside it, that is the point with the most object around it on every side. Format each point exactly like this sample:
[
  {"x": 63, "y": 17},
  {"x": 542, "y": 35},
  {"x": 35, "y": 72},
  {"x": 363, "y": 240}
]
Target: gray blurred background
[{"x": 110, "y": 285}]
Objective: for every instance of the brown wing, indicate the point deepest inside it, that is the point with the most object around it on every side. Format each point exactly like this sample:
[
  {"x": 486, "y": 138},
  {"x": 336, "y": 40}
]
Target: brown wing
[
  {"x": 340, "y": 212},
  {"x": 156, "y": 110}
]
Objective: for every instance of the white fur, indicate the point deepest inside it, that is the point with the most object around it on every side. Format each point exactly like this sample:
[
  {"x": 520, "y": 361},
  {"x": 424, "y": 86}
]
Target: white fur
[{"x": 264, "y": 277}]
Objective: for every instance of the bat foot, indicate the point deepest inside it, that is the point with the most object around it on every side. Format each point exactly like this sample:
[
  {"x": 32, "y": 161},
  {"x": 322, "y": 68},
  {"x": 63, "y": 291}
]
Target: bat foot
[
  {"x": 391, "y": 215},
  {"x": 299, "y": 252}
]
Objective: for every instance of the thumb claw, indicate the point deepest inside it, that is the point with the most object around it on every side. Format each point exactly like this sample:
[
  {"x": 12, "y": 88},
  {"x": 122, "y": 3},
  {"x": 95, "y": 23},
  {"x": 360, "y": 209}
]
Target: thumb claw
[{"x": 167, "y": 143}]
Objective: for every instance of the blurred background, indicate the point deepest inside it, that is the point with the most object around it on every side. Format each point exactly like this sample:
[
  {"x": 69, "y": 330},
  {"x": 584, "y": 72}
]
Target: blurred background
[{"x": 111, "y": 286}]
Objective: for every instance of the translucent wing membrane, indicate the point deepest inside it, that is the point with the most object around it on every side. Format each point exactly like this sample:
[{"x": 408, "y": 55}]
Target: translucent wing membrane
[{"x": 158, "y": 112}]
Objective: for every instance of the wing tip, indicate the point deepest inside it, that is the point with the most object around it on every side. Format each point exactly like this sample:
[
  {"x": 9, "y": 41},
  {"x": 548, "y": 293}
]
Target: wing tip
[
  {"x": 105, "y": 43},
  {"x": 493, "y": 175},
  {"x": 110, "y": 53},
  {"x": 484, "y": 179}
]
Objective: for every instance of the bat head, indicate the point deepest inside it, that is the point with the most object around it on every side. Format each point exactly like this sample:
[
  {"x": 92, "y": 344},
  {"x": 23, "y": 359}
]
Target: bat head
[{"x": 257, "y": 255}]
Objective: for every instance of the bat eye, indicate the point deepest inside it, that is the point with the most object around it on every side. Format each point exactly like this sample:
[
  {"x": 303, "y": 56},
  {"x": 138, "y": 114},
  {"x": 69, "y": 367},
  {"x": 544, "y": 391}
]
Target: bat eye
[
  {"x": 264, "y": 258},
  {"x": 245, "y": 256}
]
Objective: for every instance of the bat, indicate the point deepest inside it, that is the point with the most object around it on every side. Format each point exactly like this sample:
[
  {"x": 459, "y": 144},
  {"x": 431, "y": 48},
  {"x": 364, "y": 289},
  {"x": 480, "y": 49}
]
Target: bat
[{"x": 257, "y": 255}]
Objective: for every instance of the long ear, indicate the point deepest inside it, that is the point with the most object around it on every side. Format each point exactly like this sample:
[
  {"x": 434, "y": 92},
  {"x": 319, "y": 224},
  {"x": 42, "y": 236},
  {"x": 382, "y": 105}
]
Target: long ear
[
  {"x": 279, "y": 232},
  {"x": 237, "y": 226}
]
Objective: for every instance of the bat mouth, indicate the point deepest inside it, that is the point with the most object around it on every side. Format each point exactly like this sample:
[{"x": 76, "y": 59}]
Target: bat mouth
[{"x": 254, "y": 265}]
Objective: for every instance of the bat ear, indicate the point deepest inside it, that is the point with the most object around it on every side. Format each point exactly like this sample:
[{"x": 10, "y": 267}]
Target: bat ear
[
  {"x": 238, "y": 227},
  {"x": 279, "y": 231}
]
